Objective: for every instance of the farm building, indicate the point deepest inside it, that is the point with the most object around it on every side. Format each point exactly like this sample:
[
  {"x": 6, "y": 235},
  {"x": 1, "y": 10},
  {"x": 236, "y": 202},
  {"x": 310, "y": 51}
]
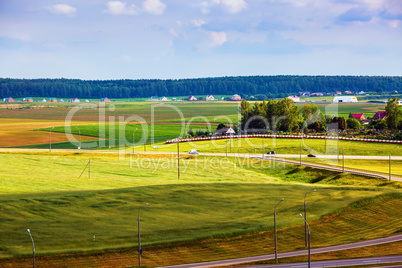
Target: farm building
[
  {"x": 191, "y": 98},
  {"x": 224, "y": 131},
  {"x": 210, "y": 98},
  {"x": 44, "y": 100},
  {"x": 154, "y": 98},
  {"x": 345, "y": 99},
  {"x": 52, "y": 100},
  {"x": 164, "y": 99},
  {"x": 105, "y": 100},
  {"x": 360, "y": 117},
  {"x": 9, "y": 99},
  {"x": 235, "y": 97},
  {"x": 28, "y": 99},
  {"x": 294, "y": 98},
  {"x": 379, "y": 115},
  {"x": 74, "y": 100}
]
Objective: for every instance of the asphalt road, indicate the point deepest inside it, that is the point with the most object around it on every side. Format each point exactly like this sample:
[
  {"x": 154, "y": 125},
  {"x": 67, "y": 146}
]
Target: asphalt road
[
  {"x": 366, "y": 243},
  {"x": 336, "y": 263}
]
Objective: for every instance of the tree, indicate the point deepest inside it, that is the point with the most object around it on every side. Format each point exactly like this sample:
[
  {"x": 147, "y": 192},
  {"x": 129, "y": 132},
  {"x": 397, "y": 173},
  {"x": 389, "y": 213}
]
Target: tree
[
  {"x": 394, "y": 113},
  {"x": 378, "y": 124},
  {"x": 340, "y": 121},
  {"x": 312, "y": 114},
  {"x": 353, "y": 123},
  {"x": 245, "y": 112},
  {"x": 221, "y": 125}
]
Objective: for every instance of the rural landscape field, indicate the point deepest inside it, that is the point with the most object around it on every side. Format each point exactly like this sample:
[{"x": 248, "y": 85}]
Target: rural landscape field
[
  {"x": 81, "y": 204},
  {"x": 204, "y": 133}
]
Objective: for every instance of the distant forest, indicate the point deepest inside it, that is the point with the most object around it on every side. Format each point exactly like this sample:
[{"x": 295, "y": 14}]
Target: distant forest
[{"x": 267, "y": 86}]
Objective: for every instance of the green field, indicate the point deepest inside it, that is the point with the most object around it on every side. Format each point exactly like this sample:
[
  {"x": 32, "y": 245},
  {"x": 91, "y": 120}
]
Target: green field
[{"x": 64, "y": 212}]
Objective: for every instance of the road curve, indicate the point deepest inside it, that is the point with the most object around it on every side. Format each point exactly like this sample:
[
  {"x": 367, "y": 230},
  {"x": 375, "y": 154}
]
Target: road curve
[
  {"x": 336, "y": 263},
  {"x": 366, "y": 243}
]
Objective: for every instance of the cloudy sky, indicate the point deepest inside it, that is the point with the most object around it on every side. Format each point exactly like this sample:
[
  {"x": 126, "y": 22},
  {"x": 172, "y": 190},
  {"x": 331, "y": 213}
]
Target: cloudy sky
[{"x": 134, "y": 39}]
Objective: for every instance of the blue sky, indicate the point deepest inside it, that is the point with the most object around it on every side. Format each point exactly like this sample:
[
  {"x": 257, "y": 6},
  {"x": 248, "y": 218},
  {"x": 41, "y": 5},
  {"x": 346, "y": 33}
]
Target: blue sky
[{"x": 165, "y": 39}]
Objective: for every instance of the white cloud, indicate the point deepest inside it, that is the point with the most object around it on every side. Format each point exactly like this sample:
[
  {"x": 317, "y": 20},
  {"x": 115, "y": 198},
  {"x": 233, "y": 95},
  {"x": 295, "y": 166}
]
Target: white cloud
[
  {"x": 234, "y": 6},
  {"x": 173, "y": 32},
  {"x": 218, "y": 38},
  {"x": 62, "y": 9},
  {"x": 154, "y": 7},
  {"x": 198, "y": 23},
  {"x": 120, "y": 8}
]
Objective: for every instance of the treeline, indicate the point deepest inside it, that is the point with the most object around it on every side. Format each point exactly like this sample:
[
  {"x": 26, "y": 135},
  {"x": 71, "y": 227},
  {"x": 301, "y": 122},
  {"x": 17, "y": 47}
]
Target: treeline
[
  {"x": 284, "y": 115},
  {"x": 267, "y": 86}
]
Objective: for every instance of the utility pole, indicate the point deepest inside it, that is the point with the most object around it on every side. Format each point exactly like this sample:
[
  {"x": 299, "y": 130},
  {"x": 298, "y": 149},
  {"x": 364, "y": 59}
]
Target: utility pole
[
  {"x": 300, "y": 154},
  {"x": 343, "y": 160},
  {"x": 389, "y": 167},
  {"x": 178, "y": 159}
]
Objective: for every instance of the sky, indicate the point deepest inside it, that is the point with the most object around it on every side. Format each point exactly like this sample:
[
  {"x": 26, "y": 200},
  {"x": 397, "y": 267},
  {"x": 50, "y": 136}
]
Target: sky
[{"x": 173, "y": 39}]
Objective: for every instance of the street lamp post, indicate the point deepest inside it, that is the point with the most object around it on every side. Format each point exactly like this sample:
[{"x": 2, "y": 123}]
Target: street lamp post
[
  {"x": 139, "y": 237},
  {"x": 50, "y": 140},
  {"x": 276, "y": 253},
  {"x": 133, "y": 138},
  {"x": 33, "y": 247},
  {"x": 305, "y": 216},
  {"x": 309, "y": 259}
]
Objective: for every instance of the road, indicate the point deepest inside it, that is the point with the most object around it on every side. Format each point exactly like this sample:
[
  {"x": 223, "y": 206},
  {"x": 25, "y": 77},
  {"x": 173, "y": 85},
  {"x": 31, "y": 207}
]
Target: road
[
  {"x": 366, "y": 243},
  {"x": 337, "y": 263}
]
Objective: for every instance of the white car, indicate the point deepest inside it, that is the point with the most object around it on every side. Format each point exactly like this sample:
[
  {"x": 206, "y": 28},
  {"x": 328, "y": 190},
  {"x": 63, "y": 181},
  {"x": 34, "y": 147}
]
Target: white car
[{"x": 193, "y": 151}]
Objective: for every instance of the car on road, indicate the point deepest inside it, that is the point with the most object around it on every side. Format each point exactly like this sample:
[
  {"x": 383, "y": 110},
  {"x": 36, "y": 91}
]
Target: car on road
[
  {"x": 311, "y": 155},
  {"x": 271, "y": 152},
  {"x": 193, "y": 151}
]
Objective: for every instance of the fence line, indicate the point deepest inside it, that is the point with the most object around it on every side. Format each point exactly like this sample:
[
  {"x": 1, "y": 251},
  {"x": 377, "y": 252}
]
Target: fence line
[{"x": 282, "y": 136}]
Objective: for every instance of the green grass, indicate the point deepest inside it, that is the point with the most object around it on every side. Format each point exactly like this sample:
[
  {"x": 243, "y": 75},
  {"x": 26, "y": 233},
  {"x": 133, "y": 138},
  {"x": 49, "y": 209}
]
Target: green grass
[
  {"x": 64, "y": 212},
  {"x": 287, "y": 146}
]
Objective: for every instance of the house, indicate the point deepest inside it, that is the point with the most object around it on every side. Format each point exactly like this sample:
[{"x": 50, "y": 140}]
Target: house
[
  {"x": 318, "y": 94},
  {"x": 28, "y": 99},
  {"x": 304, "y": 93},
  {"x": 345, "y": 99},
  {"x": 379, "y": 115},
  {"x": 61, "y": 100},
  {"x": 362, "y": 93},
  {"x": 164, "y": 99},
  {"x": 154, "y": 98},
  {"x": 359, "y": 117},
  {"x": 74, "y": 100},
  {"x": 224, "y": 131},
  {"x": 52, "y": 100},
  {"x": 338, "y": 93},
  {"x": 44, "y": 100},
  {"x": 105, "y": 100},
  {"x": 86, "y": 100},
  {"x": 294, "y": 98},
  {"x": 210, "y": 98},
  {"x": 9, "y": 99},
  {"x": 348, "y": 92},
  {"x": 235, "y": 97},
  {"x": 191, "y": 98}
]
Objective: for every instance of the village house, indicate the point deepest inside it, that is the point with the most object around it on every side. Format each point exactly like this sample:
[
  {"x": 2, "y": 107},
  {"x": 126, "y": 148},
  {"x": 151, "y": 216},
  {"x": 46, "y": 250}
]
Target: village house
[
  {"x": 361, "y": 117},
  {"x": 28, "y": 99},
  {"x": 154, "y": 98},
  {"x": 294, "y": 98},
  {"x": 74, "y": 100},
  {"x": 379, "y": 115},
  {"x": 224, "y": 131},
  {"x": 105, "y": 100},
  {"x": 52, "y": 100},
  {"x": 164, "y": 99},
  {"x": 210, "y": 98},
  {"x": 191, "y": 98},
  {"x": 9, "y": 99},
  {"x": 235, "y": 97}
]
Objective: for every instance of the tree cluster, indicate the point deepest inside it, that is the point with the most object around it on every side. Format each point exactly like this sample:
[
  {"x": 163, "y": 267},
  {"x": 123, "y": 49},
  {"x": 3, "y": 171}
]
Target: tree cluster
[
  {"x": 280, "y": 115},
  {"x": 261, "y": 87}
]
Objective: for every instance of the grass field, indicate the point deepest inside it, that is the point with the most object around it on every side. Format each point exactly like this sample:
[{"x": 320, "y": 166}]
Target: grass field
[
  {"x": 46, "y": 191},
  {"x": 343, "y": 226},
  {"x": 286, "y": 146}
]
